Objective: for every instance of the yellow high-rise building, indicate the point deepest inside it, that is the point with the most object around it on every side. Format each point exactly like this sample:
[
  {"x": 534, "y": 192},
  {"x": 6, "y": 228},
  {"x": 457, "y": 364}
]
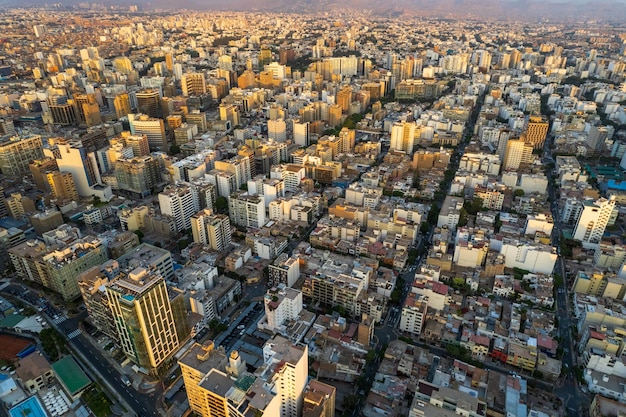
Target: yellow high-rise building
[
  {"x": 150, "y": 319},
  {"x": 518, "y": 151},
  {"x": 536, "y": 131},
  {"x": 62, "y": 185},
  {"x": 121, "y": 102},
  {"x": 344, "y": 98}
]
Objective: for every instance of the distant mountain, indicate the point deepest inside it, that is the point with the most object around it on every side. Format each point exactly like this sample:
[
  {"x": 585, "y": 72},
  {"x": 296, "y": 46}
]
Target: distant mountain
[{"x": 578, "y": 10}]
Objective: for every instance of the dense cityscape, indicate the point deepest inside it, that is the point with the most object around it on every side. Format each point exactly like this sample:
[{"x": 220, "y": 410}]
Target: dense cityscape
[{"x": 318, "y": 214}]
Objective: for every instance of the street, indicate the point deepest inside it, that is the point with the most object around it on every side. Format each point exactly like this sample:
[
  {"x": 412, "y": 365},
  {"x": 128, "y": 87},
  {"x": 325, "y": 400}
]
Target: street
[{"x": 141, "y": 404}]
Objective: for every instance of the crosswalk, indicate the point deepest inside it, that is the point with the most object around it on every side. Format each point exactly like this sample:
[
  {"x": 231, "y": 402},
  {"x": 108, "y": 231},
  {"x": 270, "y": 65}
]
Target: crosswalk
[
  {"x": 74, "y": 334},
  {"x": 59, "y": 319}
]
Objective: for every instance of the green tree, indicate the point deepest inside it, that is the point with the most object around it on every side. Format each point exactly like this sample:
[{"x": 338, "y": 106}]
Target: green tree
[
  {"x": 221, "y": 204},
  {"x": 174, "y": 150},
  {"x": 139, "y": 234},
  {"x": 519, "y": 193}
]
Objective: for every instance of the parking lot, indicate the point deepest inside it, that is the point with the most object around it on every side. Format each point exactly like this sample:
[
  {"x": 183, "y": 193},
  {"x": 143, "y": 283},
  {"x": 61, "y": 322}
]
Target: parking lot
[{"x": 242, "y": 325}]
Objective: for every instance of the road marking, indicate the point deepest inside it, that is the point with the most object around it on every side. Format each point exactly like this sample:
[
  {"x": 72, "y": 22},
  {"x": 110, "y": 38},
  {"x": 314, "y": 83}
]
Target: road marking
[
  {"x": 59, "y": 320},
  {"x": 74, "y": 334}
]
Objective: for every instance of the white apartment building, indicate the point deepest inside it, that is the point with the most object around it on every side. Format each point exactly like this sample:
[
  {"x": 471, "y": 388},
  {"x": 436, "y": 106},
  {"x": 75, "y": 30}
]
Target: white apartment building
[
  {"x": 593, "y": 220},
  {"x": 413, "y": 314},
  {"x": 181, "y": 202},
  {"x": 403, "y": 137},
  {"x": 247, "y": 210},
  {"x": 284, "y": 270},
  {"x": 450, "y": 212},
  {"x": 538, "y": 223},
  {"x": 281, "y": 304},
  {"x": 269, "y": 188},
  {"x": 533, "y": 257},
  {"x": 277, "y": 130},
  {"x": 290, "y": 366},
  {"x": 292, "y": 175}
]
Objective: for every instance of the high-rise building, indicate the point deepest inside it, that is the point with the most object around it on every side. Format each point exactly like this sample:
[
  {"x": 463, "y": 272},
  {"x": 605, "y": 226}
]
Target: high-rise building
[
  {"x": 92, "y": 284},
  {"x": 62, "y": 185},
  {"x": 62, "y": 110},
  {"x": 121, "y": 102},
  {"x": 40, "y": 30},
  {"x": 290, "y": 366},
  {"x": 193, "y": 84},
  {"x": 277, "y": 130},
  {"x": 319, "y": 400},
  {"x": 403, "y": 137},
  {"x": 344, "y": 98},
  {"x": 88, "y": 111},
  {"x": 281, "y": 304},
  {"x": 212, "y": 229},
  {"x": 152, "y": 128},
  {"x": 56, "y": 267},
  {"x": 39, "y": 168},
  {"x": 229, "y": 112},
  {"x": 518, "y": 152},
  {"x": 139, "y": 145},
  {"x": 536, "y": 131},
  {"x": 301, "y": 133},
  {"x": 239, "y": 165},
  {"x": 347, "y": 139},
  {"x": 285, "y": 270},
  {"x": 181, "y": 202},
  {"x": 220, "y": 386},
  {"x": 149, "y": 102},
  {"x": 334, "y": 115},
  {"x": 7, "y": 127},
  {"x": 246, "y": 210},
  {"x": 73, "y": 157},
  {"x": 593, "y": 220},
  {"x": 138, "y": 175},
  {"x": 151, "y": 320},
  {"x": 17, "y": 152}
]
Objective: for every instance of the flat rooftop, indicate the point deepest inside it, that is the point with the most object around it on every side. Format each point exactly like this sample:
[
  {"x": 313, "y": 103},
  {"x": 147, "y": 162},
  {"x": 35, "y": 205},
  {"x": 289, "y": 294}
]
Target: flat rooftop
[{"x": 69, "y": 374}]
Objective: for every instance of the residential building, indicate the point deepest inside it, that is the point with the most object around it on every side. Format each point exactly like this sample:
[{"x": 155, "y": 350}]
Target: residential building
[
  {"x": 151, "y": 258},
  {"x": 246, "y": 210},
  {"x": 56, "y": 267},
  {"x": 537, "y": 130},
  {"x": 193, "y": 84},
  {"x": 404, "y": 137},
  {"x": 152, "y": 128},
  {"x": 518, "y": 151},
  {"x": 181, "y": 202},
  {"x": 92, "y": 284},
  {"x": 16, "y": 152},
  {"x": 413, "y": 315},
  {"x": 593, "y": 220},
  {"x": 62, "y": 186},
  {"x": 138, "y": 176},
  {"x": 281, "y": 304},
  {"x": 149, "y": 103},
  {"x": 151, "y": 320},
  {"x": 285, "y": 270},
  {"x": 212, "y": 229}
]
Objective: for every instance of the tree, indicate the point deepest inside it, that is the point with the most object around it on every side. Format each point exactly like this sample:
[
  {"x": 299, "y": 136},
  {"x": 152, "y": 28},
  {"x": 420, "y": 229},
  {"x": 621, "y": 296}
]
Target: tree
[
  {"x": 519, "y": 193},
  {"x": 221, "y": 204},
  {"x": 139, "y": 234},
  {"x": 174, "y": 150},
  {"x": 416, "y": 180}
]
